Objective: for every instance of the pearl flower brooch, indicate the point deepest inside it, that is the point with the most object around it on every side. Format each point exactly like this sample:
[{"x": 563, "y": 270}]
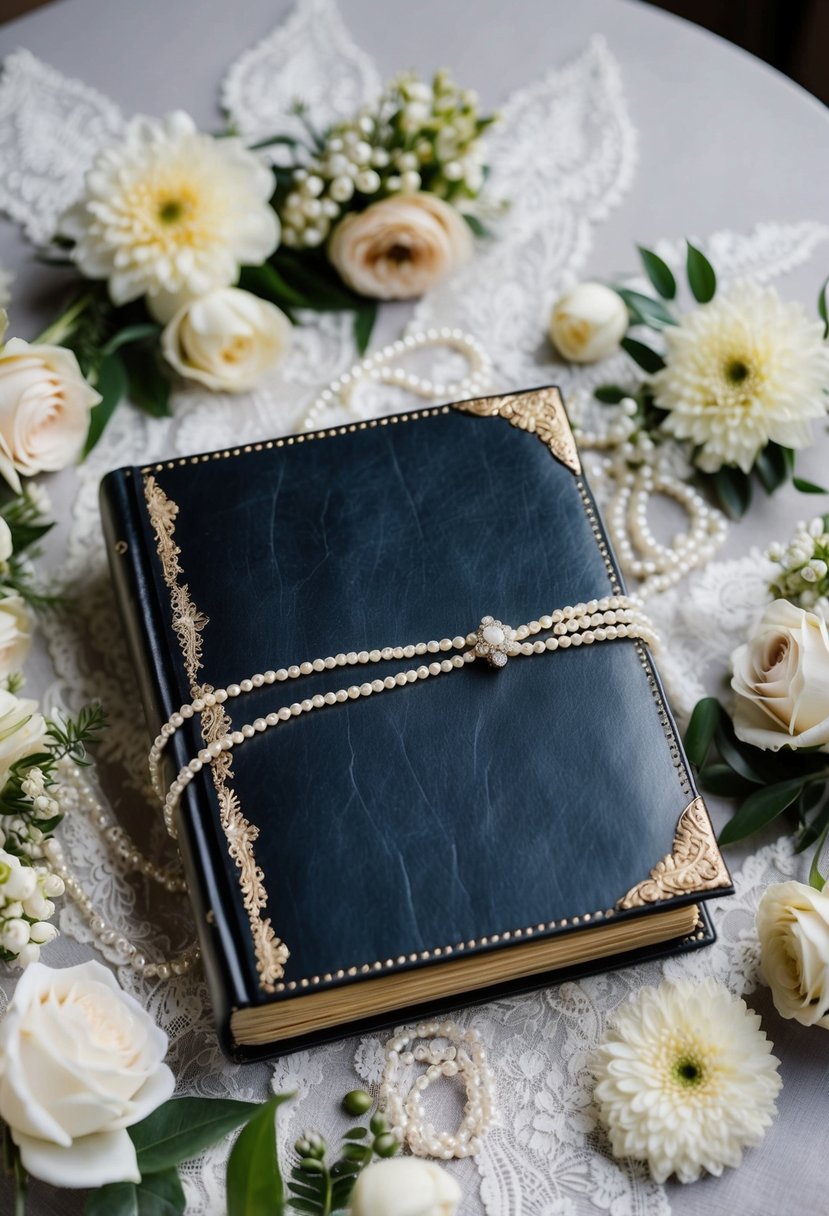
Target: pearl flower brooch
[{"x": 495, "y": 642}]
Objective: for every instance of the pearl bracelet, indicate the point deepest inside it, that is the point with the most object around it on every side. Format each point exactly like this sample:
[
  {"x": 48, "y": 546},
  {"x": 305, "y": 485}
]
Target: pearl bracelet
[{"x": 598, "y": 620}]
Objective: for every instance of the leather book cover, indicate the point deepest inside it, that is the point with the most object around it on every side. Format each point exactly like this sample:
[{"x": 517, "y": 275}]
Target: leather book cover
[{"x": 451, "y": 839}]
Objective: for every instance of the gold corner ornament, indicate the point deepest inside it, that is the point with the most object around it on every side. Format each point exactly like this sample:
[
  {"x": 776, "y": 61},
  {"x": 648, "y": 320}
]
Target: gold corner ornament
[
  {"x": 694, "y": 864},
  {"x": 541, "y": 412}
]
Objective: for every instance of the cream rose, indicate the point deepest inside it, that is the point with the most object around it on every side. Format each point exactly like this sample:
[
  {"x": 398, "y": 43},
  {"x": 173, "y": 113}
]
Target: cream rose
[
  {"x": 405, "y": 1186},
  {"x": 400, "y": 247},
  {"x": 22, "y": 731},
  {"x": 588, "y": 323},
  {"x": 6, "y": 543},
  {"x": 80, "y": 1062},
  {"x": 44, "y": 409},
  {"x": 781, "y": 678},
  {"x": 226, "y": 339},
  {"x": 15, "y": 634},
  {"x": 793, "y": 927}
]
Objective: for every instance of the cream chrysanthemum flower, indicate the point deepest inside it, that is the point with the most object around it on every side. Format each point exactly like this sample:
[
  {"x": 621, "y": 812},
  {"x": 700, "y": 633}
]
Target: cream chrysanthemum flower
[
  {"x": 685, "y": 1079},
  {"x": 171, "y": 213},
  {"x": 741, "y": 371}
]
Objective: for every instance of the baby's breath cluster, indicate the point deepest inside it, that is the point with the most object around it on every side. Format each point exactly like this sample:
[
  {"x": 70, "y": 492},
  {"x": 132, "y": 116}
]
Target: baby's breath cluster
[
  {"x": 804, "y": 567},
  {"x": 419, "y": 136},
  {"x": 26, "y": 895}
]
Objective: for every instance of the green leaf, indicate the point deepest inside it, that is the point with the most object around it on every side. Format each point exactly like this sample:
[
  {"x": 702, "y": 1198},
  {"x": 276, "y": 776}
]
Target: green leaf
[
  {"x": 701, "y": 277},
  {"x": 701, "y": 729},
  {"x": 733, "y": 489},
  {"x": 111, "y": 383},
  {"x": 308, "y": 1206},
  {"x": 316, "y": 281},
  {"x": 476, "y": 227},
  {"x": 159, "y": 1194},
  {"x": 813, "y": 830},
  {"x": 254, "y": 1183},
  {"x": 139, "y": 332},
  {"x": 807, "y": 487},
  {"x": 741, "y": 757},
  {"x": 148, "y": 379},
  {"x": 722, "y": 780},
  {"x": 816, "y": 879},
  {"x": 24, "y": 535},
  {"x": 646, "y": 358},
  {"x": 267, "y": 282},
  {"x": 644, "y": 310},
  {"x": 772, "y": 467},
  {"x": 760, "y": 809},
  {"x": 184, "y": 1127},
  {"x": 658, "y": 272},
  {"x": 823, "y": 312},
  {"x": 364, "y": 319},
  {"x": 610, "y": 394}
]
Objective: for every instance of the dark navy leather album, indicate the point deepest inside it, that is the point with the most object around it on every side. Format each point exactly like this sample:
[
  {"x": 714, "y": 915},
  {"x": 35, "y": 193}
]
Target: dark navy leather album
[{"x": 475, "y": 784}]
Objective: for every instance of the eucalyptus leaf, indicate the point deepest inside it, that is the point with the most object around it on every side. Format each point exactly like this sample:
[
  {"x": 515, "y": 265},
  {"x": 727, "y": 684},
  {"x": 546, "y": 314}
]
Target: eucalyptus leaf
[
  {"x": 701, "y": 277},
  {"x": 641, "y": 354},
  {"x": 733, "y": 489},
  {"x": 364, "y": 319},
  {"x": 760, "y": 809},
  {"x": 183, "y": 1127},
  {"x": 111, "y": 383},
  {"x": 808, "y": 487},
  {"x": 254, "y": 1183},
  {"x": 610, "y": 394},
  {"x": 772, "y": 467},
  {"x": 699, "y": 736},
  {"x": 659, "y": 273},
  {"x": 159, "y": 1194},
  {"x": 644, "y": 310}
]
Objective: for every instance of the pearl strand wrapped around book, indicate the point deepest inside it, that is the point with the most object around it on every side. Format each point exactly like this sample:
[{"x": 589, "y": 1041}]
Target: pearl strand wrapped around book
[{"x": 598, "y": 620}]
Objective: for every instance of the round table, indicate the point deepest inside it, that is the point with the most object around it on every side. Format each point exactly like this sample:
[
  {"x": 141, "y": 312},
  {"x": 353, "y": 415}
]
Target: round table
[{"x": 724, "y": 143}]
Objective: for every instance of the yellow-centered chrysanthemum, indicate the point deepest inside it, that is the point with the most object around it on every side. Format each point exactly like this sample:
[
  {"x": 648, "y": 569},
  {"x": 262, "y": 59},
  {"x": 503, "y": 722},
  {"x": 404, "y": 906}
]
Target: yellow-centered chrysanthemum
[
  {"x": 741, "y": 371},
  {"x": 686, "y": 1079},
  {"x": 171, "y": 213}
]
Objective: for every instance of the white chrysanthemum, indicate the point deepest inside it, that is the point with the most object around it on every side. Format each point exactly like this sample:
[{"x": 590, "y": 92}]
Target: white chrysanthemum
[
  {"x": 171, "y": 213},
  {"x": 686, "y": 1079},
  {"x": 741, "y": 371}
]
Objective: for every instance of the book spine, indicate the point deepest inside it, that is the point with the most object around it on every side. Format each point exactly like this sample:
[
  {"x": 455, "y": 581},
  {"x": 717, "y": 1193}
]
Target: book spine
[{"x": 158, "y": 686}]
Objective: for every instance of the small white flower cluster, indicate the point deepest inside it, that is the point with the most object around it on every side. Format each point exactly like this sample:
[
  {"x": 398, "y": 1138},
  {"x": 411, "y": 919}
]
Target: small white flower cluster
[
  {"x": 23, "y": 833},
  {"x": 804, "y": 563},
  {"x": 419, "y": 137},
  {"x": 26, "y": 894}
]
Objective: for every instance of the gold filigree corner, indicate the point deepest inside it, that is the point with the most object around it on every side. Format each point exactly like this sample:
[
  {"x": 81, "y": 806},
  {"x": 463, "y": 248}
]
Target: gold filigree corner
[
  {"x": 541, "y": 412},
  {"x": 694, "y": 864}
]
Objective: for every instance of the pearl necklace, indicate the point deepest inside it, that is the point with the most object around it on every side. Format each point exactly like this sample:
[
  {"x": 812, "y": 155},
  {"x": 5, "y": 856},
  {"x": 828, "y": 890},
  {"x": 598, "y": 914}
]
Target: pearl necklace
[
  {"x": 637, "y": 478},
  {"x": 378, "y": 368},
  {"x": 575, "y": 625},
  {"x": 451, "y": 1053},
  {"x": 75, "y": 796}
]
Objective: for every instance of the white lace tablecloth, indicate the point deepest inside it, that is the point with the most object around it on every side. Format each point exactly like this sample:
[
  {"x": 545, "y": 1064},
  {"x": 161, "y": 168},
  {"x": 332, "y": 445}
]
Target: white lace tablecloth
[{"x": 619, "y": 126}]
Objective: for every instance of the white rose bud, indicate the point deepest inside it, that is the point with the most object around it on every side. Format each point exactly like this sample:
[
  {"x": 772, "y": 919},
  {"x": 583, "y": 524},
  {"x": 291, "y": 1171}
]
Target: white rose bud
[
  {"x": 17, "y": 882},
  {"x": 44, "y": 409},
  {"x": 400, "y": 247},
  {"x": 15, "y": 634},
  {"x": 405, "y": 1186},
  {"x": 52, "y": 885},
  {"x": 226, "y": 339},
  {"x": 15, "y": 935},
  {"x": 588, "y": 323},
  {"x": 38, "y": 907},
  {"x": 80, "y": 1062},
  {"x": 781, "y": 678},
  {"x": 41, "y": 932},
  {"x": 793, "y": 928}
]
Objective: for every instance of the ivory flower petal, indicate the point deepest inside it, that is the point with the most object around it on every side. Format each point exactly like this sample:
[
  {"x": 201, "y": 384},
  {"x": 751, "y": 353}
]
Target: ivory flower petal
[
  {"x": 793, "y": 928},
  {"x": 226, "y": 339}
]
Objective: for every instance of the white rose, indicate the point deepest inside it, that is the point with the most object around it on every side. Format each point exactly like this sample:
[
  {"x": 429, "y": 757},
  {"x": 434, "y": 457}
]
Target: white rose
[
  {"x": 44, "y": 409},
  {"x": 793, "y": 927},
  {"x": 226, "y": 339},
  {"x": 405, "y": 1186},
  {"x": 15, "y": 634},
  {"x": 781, "y": 678},
  {"x": 22, "y": 731},
  {"x": 80, "y": 1062},
  {"x": 588, "y": 323},
  {"x": 401, "y": 247}
]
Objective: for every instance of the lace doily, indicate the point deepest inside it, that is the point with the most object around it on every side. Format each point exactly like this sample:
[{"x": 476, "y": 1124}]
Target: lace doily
[{"x": 564, "y": 155}]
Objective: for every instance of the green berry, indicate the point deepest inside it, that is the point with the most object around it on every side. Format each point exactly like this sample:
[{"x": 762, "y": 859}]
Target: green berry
[
  {"x": 385, "y": 1145},
  {"x": 357, "y": 1102},
  {"x": 377, "y": 1124}
]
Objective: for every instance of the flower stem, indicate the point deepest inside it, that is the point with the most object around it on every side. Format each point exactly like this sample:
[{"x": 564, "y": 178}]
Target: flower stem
[
  {"x": 60, "y": 329},
  {"x": 326, "y": 1211},
  {"x": 19, "y": 1188}
]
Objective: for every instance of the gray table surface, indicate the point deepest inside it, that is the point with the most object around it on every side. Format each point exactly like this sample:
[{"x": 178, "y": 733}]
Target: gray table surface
[{"x": 725, "y": 142}]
